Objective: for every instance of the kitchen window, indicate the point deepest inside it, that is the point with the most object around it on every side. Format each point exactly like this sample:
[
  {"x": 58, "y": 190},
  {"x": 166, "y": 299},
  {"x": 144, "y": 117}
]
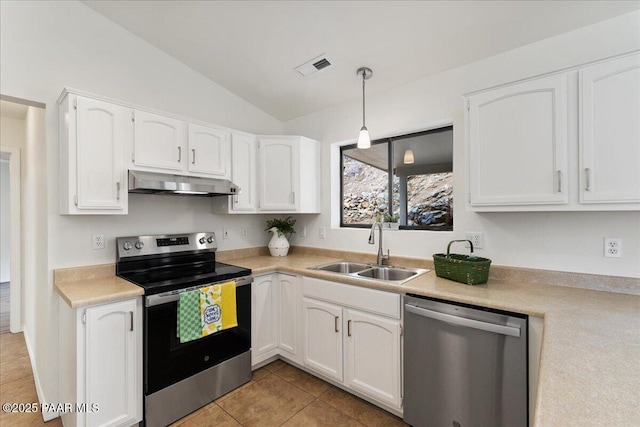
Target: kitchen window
[{"x": 406, "y": 179}]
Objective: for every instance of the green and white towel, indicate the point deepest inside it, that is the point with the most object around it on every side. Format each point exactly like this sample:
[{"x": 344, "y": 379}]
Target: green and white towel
[{"x": 189, "y": 320}]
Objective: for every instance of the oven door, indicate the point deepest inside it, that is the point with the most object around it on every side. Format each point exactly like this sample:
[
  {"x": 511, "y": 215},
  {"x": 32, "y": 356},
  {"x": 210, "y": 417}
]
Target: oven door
[{"x": 167, "y": 361}]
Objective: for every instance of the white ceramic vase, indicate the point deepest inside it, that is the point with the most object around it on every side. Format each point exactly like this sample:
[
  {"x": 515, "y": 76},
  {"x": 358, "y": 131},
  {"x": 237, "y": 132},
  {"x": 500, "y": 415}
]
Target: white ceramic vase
[{"x": 278, "y": 245}]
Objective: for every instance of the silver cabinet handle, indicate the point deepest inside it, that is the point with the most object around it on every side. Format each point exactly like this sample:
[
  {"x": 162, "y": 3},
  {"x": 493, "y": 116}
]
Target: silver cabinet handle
[
  {"x": 131, "y": 318},
  {"x": 235, "y": 199},
  {"x": 336, "y": 323},
  {"x": 462, "y": 321},
  {"x": 193, "y": 157},
  {"x": 559, "y": 181},
  {"x": 179, "y": 154},
  {"x": 293, "y": 196},
  {"x": 349, "y": 327},
  {"x": 118, "y": 190},
  {"x": 588, "y": 174}
]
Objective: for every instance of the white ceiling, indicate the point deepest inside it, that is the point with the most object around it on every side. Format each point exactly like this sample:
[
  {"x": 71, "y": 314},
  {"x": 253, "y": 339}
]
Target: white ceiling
[{"x": 252, "y": 47}]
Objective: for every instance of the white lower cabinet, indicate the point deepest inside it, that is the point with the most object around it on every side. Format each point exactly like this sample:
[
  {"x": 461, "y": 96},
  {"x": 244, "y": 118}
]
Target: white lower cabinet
[
  {"x": 352, "y": 335},
  {"x": 288, "y": 319},
  {"x": 372, "y": 356},
  {"x": 101, "y": 363},
  {"x": 322, "y": 336},
  {"x": 275, "y": 317},
  {"x": 264, "y": 317}
]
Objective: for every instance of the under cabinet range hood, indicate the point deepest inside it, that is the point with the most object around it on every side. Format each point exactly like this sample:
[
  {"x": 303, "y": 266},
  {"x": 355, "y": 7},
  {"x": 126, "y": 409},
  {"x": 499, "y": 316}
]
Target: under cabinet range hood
[{"x": 165, "y": 183}]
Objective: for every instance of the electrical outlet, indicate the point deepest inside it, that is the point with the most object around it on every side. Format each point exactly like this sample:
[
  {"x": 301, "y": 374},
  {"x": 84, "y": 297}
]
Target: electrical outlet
[
  {"x": 225, "y": 233},
  {"x": 97, "y": 241},
  {"x": 612, "y": 247},
  {"x": 244, "y": 233},
  {"x": 303, "y": 232},
  {"x": 322, "y": 232},
  {"x": 476, "y": 238}
]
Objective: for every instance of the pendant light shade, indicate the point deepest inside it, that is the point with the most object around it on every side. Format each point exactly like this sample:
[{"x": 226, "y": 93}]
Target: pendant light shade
[
  {"x": 364, "y": 140},
  {"x": 408, "y": 157}
]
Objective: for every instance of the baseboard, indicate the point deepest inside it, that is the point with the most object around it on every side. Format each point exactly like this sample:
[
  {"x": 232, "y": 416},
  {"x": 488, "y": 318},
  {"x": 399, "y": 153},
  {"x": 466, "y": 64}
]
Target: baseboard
[{"x": 46, "y": 416}]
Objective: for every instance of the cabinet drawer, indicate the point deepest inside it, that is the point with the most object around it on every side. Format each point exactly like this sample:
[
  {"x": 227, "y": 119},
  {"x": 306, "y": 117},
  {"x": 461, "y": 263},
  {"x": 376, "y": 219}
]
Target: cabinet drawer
[{"x": 371, "y": 300}]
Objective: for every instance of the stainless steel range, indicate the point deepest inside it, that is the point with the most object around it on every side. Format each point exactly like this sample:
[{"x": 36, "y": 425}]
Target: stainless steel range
[{"x": 182, "y": 377}]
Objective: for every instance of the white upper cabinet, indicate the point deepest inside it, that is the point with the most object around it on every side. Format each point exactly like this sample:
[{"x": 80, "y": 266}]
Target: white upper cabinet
[
  {"x": 209, "y": 151},
  {"x": 289, "y": 174},
  {"x": 567, "y": 141},
  {"x": 518, "y": 144},
  {"x": 278, "y": 171},
  {"x": 244, "y": 173},
  {"x": 610, "y": 131},
  {"x": 159, "y": 141},
  {"x": 93, "y": 135}
]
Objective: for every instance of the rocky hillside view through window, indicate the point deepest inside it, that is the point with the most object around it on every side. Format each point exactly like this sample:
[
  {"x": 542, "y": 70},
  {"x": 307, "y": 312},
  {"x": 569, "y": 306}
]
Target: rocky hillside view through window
[{"x": 365, "y": 195}]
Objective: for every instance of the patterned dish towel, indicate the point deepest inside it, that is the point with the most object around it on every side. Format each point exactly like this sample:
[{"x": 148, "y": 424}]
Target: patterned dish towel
[
  {"x": 218, "y": 307},
  {"x": 207, "y": 310},
  {"x": 189, "y": 322}
]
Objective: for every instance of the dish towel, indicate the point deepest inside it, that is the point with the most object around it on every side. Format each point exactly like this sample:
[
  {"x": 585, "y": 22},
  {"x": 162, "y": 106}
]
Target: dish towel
[
  {"x": 189, "y": 321},
  {"x": 218, "y": 307}
]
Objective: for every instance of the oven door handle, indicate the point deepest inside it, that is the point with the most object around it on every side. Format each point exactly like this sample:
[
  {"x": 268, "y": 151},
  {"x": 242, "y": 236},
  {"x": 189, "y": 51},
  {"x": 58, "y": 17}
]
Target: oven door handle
[{"x": 167, "y": 297}]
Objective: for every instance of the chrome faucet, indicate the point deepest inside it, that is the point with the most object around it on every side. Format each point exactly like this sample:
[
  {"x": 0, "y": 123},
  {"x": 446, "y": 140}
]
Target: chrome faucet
[{"x": 382, "y": 258}]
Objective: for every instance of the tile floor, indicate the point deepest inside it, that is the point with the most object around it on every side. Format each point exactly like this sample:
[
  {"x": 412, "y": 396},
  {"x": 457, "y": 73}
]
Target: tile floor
[
  {"x": 282, "y": 395},
  {"x": 278, "y": 395}
]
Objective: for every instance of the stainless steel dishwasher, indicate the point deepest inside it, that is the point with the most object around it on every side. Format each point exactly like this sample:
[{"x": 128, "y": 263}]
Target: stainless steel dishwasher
[{"x": 464, "y": 366}]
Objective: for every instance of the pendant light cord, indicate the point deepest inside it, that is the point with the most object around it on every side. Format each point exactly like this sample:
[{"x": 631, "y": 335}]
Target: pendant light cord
[{"x": 363, "y": 79}]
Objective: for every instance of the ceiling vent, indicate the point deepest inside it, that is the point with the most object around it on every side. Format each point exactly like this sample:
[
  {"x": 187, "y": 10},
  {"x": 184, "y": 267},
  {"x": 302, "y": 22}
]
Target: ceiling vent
[{"x": 313, "y": 66}]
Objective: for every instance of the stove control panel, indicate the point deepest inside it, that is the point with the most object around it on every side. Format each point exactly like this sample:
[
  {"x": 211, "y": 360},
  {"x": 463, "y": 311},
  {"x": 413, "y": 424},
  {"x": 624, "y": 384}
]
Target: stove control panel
[{"x": 166, "y": 243}]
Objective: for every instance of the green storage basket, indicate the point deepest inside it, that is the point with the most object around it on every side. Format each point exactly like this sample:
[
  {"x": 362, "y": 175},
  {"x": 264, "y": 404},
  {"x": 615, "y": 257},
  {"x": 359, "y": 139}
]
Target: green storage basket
[{"x": 467, "y": 269}]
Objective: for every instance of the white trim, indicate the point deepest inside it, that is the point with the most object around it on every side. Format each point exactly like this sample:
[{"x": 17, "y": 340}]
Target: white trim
[
  {"x": 550, "y": 73},
  {"x": 78, "y": 92},
  {"x": 46, "y": 416},
  {"x": 15, "y": 288}
]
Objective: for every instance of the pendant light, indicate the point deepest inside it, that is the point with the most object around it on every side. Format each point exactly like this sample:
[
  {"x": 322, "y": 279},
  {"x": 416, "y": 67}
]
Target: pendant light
[
  {"x": 364, "y": 140},
  {"x": 408, "y": 157}
]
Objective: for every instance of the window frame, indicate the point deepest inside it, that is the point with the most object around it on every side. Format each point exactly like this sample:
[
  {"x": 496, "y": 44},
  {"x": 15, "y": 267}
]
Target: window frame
[{"x": 390, "y": 141}]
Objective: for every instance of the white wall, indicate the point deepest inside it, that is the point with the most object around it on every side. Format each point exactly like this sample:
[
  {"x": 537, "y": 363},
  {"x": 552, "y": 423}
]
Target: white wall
[
  {"x": 11, "y": 135},
  {"x": 45, "y": 46},
  {"x": 555, "y": 241},
  {"x": 5, "y": 223}
]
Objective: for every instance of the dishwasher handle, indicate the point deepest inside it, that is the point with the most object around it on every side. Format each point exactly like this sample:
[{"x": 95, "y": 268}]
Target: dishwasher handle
[{"x": 463, "y": 321}]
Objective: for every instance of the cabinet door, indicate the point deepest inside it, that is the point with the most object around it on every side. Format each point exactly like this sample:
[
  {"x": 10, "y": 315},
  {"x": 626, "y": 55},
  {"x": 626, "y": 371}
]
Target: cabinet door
[
  {"x": 372, "y": 356},
  {"x": 101, "y": 132},
  {"x": 288, "y": 321},
  {"x": 322, "y": 336},
  {"x": 264, "y": 332},
  {"x": 243, "y": 173},
  {"x": 518, "y": 144},
  {"x": 111, "y": 364},
  {"x": 610, "y": 131},
  {"x": 159, "y": 141},
  {"x": 277, "y": 161},
  {"x": 209, "y": 151}
]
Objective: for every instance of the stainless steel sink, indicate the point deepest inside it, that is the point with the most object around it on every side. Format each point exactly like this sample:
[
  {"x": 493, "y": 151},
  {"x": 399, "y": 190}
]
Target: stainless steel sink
[
  {"x": 388, "y": 273},
  {"x": 397, "y": 275},
  {"x": 344, "y": 267}
]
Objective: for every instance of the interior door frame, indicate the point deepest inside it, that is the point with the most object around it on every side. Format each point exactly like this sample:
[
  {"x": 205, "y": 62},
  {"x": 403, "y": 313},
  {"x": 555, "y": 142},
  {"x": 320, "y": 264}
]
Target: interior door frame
[{"x": 15, "y": 287}]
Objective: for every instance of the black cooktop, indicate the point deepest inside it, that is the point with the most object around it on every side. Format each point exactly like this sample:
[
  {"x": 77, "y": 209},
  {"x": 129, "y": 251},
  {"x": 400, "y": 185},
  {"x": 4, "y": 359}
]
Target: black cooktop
[{"x": 171, "y": 278}]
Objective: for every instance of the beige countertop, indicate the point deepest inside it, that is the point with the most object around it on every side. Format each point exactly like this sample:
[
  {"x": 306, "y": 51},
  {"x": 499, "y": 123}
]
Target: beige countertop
[
  {"x": 590, "y": 358},
  {"x": 92, "y": 285}
]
